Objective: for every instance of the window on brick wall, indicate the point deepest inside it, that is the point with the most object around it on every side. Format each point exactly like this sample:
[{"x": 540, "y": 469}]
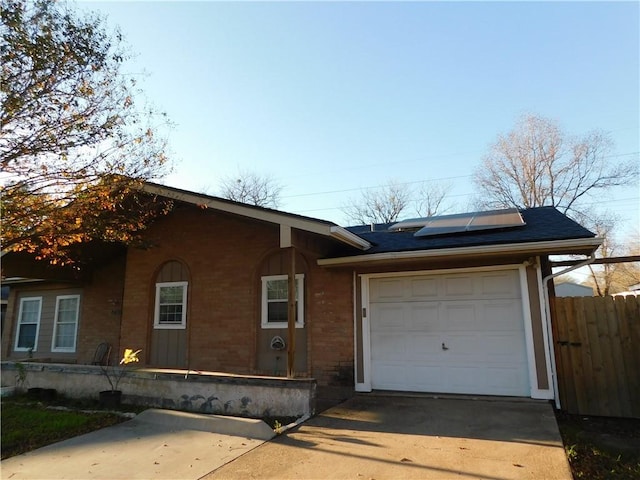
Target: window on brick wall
[
  {"x": 275, "y": 289},
  {"x": 28, "y": 323},
  {"x": 171, "y": 305},
  {"x": 65, "y": 325}
]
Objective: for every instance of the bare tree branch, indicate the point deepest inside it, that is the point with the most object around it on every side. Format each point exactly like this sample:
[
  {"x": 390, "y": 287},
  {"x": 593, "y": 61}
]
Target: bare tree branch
[
  {"x": 251, "y": 188},
  {"x": 379, "y": 205},
  {"x": 537, "y": 164}
]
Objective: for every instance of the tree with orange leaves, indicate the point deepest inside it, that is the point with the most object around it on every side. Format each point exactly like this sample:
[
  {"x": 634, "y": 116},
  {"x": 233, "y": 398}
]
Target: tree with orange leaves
[{"x": 75, "y": 145}]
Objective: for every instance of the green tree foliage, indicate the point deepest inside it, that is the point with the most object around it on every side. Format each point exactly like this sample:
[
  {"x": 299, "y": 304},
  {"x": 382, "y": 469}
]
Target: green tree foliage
[{"x": 75, "y": 144}]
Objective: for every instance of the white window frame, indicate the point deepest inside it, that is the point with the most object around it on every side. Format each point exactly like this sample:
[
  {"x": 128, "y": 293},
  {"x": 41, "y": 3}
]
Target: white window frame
[
  {"x": 56, "y": 323},
  {"x": 20, "y": 323},
  {"x": 300, "y": 301},
  {"x": 156, "y": 317}
]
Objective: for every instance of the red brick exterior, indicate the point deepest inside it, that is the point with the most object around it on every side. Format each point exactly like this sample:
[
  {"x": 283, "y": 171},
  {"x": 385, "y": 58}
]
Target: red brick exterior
[{"x": 223, "y": 254}]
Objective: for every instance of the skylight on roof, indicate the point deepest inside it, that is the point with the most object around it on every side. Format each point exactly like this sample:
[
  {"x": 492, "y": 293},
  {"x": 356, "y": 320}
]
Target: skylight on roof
[{"x": 461, "y": 222}]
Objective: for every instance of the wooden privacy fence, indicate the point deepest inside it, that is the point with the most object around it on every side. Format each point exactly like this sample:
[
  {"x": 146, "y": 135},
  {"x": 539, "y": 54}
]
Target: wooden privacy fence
[{"x": 597, "y": 345}]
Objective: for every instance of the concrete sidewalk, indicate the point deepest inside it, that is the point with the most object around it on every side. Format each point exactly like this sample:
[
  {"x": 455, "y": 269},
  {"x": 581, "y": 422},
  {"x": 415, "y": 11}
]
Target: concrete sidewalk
[
  {"x": 392, "y": 437},
  {"x": 157, "y": 444}
]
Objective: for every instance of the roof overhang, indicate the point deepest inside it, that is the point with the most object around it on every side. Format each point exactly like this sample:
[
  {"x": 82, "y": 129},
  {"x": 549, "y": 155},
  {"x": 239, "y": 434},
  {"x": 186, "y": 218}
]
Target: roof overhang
[
  {"x": 581, "y": 246},
  {"x": 319, "y": 227}
]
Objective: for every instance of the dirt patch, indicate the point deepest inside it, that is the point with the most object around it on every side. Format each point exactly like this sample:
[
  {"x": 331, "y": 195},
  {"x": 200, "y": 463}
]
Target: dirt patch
[{"x": 601, "y": 447}]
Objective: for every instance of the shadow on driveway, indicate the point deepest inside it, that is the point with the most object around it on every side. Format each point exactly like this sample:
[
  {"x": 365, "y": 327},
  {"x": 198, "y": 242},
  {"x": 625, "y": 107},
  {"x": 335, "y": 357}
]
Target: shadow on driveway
[{"x": 376, "y": 437}]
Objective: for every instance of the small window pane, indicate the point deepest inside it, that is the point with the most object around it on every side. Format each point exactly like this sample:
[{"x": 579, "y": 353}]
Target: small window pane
[
  {"x": 277, "y": 312},
  {"x": 171, "y": 294},
  {"x": 277, "y": 290},
  {"x": 67, "y": 310},
  {"x": 30, "y": 311},
  {"x": 170, "y": 313},
  {"x": 27, "y": 336},
  {"x": 65, "y": 335}
]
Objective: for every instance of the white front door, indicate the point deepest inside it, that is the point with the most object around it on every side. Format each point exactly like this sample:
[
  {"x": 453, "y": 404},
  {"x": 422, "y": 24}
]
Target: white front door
[{"x": 449, "y": 333}]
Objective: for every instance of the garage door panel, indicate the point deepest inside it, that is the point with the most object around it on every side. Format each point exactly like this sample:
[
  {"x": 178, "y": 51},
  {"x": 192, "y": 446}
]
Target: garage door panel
[
  {"x": 391, "y": 289},
  {"x": 505, "y": 381},
  {"x": 465, "y": 379},
  {"x": 499, "y": 315},
  {"x": 423, "y": 288},
  {"x": 503, "y": 284},
  {"x": 391, "y": 376},
  {"x": 458, "y": 286},
  {"x": 461, "y": 347},
  {"x": 459, "y": 316},
  {"x": 390, "y": 316},
  {"x": 424, "y": 377},
  {"x": 502, "y": 346},
  {"x": 478, "y": 319},
  {"x": 424, "y": 317},
  {"x": 389, "y": 347},
  {"x": 424, "y": 347}
]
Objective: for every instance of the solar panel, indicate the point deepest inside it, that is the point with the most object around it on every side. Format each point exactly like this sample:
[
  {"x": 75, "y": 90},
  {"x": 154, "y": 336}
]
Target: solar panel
[
  {"x": 409, "y": 224},
  {"x": 467, "y": 222}
]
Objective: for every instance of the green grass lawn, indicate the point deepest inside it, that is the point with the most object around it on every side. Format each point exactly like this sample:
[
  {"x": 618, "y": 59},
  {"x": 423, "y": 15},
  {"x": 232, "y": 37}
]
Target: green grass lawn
[{"x": 30, "y": 425}]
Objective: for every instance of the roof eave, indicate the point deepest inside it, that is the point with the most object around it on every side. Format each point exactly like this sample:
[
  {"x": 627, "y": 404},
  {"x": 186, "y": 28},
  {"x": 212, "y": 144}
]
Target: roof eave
[
  {"x": 349, "y": 238},
  {"x": 583, "y": 246},
  {"x": 280, "y": 218}
]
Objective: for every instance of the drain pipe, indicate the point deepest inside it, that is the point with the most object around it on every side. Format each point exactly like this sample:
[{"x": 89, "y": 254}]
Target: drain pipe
[{"x": 547, "y": 311}]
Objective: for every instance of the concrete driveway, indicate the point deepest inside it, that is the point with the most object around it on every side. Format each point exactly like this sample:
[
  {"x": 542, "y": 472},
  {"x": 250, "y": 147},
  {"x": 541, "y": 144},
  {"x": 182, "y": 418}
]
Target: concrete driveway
[
  {"x": 157, "y": 444},
  {"x": 392, "y": 437}
]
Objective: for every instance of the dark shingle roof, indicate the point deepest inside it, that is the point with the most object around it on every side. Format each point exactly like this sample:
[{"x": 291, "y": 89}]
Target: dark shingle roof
[{"x": 541, "y": 224}]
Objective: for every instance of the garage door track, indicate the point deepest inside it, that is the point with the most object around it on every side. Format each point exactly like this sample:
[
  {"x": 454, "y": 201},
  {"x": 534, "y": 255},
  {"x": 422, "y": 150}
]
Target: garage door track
[{"x": 378, "y": 437}]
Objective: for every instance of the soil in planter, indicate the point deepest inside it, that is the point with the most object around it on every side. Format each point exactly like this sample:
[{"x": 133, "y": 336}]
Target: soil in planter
[{"x": 110, "y": 399}]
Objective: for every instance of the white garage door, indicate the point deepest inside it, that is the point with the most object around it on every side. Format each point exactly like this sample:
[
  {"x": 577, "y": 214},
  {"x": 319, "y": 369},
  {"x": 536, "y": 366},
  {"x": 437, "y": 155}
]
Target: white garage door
[{"x": 454, "y": 333}]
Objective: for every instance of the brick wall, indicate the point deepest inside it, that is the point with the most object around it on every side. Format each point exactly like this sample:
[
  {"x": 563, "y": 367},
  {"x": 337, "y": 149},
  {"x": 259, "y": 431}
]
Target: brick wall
[
  {"x": 331, "y": 327},
  {"x": 223, "y": 255},
  {"x": 101, "y": 311}
]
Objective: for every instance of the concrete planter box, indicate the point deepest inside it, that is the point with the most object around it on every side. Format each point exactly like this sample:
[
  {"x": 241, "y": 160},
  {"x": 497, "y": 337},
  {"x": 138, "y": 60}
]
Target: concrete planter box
[{"x": 204, "y": 392}]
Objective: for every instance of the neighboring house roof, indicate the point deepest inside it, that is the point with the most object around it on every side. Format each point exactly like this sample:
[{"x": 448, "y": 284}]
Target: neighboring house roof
[
  {"x": 545, "y": 230},
  {"x": 284, "y": 219},
  {"x": 571, "y": 289}
]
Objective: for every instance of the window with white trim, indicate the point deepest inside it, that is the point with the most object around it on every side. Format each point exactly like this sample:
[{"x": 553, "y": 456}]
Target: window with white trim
[
  {"x": 171, "y": 305},
  {"x": 28, "y": 324},
  {"x": 275, "y": 299},
  {"x": 65, "y": 325}
]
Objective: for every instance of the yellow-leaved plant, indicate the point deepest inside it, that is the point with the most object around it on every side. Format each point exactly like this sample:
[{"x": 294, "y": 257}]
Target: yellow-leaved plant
[{"x": 115, "y": 373}]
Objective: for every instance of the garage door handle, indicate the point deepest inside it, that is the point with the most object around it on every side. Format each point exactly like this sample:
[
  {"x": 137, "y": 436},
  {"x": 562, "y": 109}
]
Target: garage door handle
[{"x": 444, "y": 347}]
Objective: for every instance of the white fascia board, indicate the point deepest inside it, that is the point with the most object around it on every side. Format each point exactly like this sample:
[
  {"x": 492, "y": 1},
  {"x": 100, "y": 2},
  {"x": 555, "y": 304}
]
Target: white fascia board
[
  {"x": 352, "y": 239},
  {"x": 551, "y": 247},
  {"x": 277, "y": 218}
]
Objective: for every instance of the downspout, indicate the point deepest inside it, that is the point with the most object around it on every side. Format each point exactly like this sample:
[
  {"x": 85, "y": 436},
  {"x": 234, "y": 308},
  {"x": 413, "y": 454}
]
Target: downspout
[{"x": 547, "y": 312}]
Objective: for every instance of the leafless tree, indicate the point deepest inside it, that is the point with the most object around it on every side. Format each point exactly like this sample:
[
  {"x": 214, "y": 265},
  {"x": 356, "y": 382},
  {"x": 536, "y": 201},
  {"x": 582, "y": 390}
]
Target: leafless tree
[
  {"x": 251, "y": 188},
  {"x": 379, "y": 205},
  {"x": 538, "y": 164},
  {"x": 614, "y": 277},
  {"x": 431, "y": 199}
]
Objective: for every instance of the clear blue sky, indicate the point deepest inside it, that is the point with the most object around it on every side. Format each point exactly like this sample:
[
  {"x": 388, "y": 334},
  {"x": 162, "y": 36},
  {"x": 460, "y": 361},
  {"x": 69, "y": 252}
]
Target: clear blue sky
[{"x": 337, "y": 97}]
